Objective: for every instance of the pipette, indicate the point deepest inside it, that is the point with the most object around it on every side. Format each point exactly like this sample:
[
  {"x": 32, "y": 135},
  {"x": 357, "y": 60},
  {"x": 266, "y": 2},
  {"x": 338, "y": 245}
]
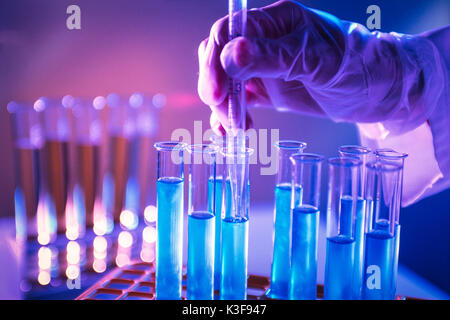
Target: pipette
[{"x": 237, "y": 11}]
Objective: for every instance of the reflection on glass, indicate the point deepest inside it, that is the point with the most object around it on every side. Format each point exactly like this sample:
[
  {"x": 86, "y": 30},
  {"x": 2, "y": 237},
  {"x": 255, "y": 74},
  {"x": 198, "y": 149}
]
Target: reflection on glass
[
  {"x": 100, "y": 254},
  {"x": 74, "y": 257},
  {"x": 148, "y": 244},
  {"x": 124, "y": 244},
  {"x": 48, "y": 264},
  {"x": 150, "y": 214}
]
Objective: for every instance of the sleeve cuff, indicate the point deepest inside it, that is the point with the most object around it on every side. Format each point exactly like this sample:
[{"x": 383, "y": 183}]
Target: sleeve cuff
[{"x": 421, "y": 170}]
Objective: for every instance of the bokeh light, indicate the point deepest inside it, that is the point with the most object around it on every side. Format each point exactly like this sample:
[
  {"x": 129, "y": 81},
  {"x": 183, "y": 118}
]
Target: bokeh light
[
  {"x": 125, "y": 239},
  {"x": 149, "y": 234},
  {"x": 150, "y": 213}
]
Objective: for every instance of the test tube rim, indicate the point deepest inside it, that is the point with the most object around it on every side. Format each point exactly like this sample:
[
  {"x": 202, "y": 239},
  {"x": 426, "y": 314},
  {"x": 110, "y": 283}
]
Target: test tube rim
[
  {"x": 354, "y": 149},
  {"x": 114, "y": 100},
  {"x": 248, "y": 152},
  {"x": 136, "y": 105},
  {"x": 344, "y": 162},
  {"x": 49, "y": 103},
  {"x": 15, "y": 107},
  {"x": 214, "y": 137},
  {"x": 383, "y": 166},
  {"x": 170, "y": 145},
  {"x": 291, "y": 144},
  {"x": 217, "y": 139},
  {"x": 307, "y": 158},
  {"x": 205, "y": 148},
  {"x": 381, "y": 153},
  {"x": 83, "y": 103}
]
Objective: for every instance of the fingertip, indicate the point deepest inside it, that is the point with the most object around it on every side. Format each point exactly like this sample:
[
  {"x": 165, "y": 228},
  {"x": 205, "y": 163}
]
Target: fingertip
[{"x": 202, "y": 48}]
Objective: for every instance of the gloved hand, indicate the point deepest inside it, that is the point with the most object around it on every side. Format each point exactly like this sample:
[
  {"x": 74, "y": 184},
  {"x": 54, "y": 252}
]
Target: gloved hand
[{"x": 303, "y": 60}]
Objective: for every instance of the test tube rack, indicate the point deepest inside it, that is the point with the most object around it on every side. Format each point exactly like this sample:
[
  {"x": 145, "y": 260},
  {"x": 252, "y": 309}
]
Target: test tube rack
[{"x": 136, "y": 281}]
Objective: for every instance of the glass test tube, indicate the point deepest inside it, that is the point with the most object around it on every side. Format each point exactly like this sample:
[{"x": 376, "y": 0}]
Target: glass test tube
[
  {"x": 393, "y": 156},
  {"x": 201, "y": 222},
  {"x": 121, "y": 132},
  {"x": 281, "y": 260},
  {"x": 142, "y": 114},
  {"x": 235, "y": 230},
  {"x": 56, "y": 156},
  {"x": 361, "y": 153},
  {"x": 382, "y": 193},
  {"x": 218, "y": 184},
  {"x": 28, "y": 141},
  {"x": 89, "y": 130},
  {"x": 343, "y": 191},
  {"x": 305, "y": 225},
  {"x": 140, "y": 170},
  {"x": 170, "y": 200}
]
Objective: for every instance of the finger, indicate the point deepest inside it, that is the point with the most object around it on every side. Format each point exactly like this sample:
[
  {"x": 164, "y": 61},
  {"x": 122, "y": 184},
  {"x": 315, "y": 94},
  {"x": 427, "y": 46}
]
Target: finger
[
  {"x": 269, "y": 22},
  {"x": 216, "y": 126},
  {"x": 201, "y": 49},
  {"x": 221, "y": 113},
  {"x": 243, "y": 59},
  {"x": 212, "y": 82},
  {"x": 313, "y": 51}
]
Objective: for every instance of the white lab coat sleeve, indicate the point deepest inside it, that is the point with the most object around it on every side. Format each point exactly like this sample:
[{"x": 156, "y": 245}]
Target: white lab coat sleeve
[{"x": 425, "y": 139}]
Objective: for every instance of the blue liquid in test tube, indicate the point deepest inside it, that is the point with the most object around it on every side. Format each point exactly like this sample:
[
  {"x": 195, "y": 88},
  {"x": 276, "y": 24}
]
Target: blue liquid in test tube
[
  {"x": 200, "y": 256},
  {"x": 395, "y": 262},
  {"x": 281, "y": 264},
  {"x": 305, "y": 229},
  {"x": 379, "y": 265},
  {"x": 306, "y": 172},
  {"x": 358, "y": 256},
  {"x": 234, "y": 259},
  {"x": 281, "y": 259},
  {"x": 338, "y": 279},
  {"x": 201, "y": 229},
  {"x": 170, "y": 238},
  {"x": 235, "y": 223}
]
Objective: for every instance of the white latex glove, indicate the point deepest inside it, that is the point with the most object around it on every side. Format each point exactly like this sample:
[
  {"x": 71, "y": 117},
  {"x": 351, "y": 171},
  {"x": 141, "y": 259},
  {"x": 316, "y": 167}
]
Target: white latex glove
[{"x": 306, "y": 61}]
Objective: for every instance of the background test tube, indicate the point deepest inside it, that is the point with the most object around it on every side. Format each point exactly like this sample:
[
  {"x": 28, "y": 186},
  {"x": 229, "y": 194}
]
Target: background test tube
[
  {"x": 390, "y": 155},
  {"x": 89, "y": 131},
  {"x": 382, "y": 192},
  {"x": 121, "y": 130},
  {"x": 57, "y": 153},
  {"x": 306, "y": 174},
  {"x": 170, "y": 199},
  {"x": 343, "y": 186},
  {"x": 139, "y": 197},
  {"x": 361, "y": 153},
  {"x": 281, "y": 262},
  {"x": 201, "y": 222},
  {"x": 142, "y": 115},
  {"x": 235, "y": 231},
  {"x": 28, "y": 140}
]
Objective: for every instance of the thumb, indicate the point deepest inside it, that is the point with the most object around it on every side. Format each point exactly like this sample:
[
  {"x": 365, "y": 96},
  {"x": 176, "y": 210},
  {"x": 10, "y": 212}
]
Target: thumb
[
  {"x": 302, "y": 55},
  {"x": 242, "y": 58}
]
